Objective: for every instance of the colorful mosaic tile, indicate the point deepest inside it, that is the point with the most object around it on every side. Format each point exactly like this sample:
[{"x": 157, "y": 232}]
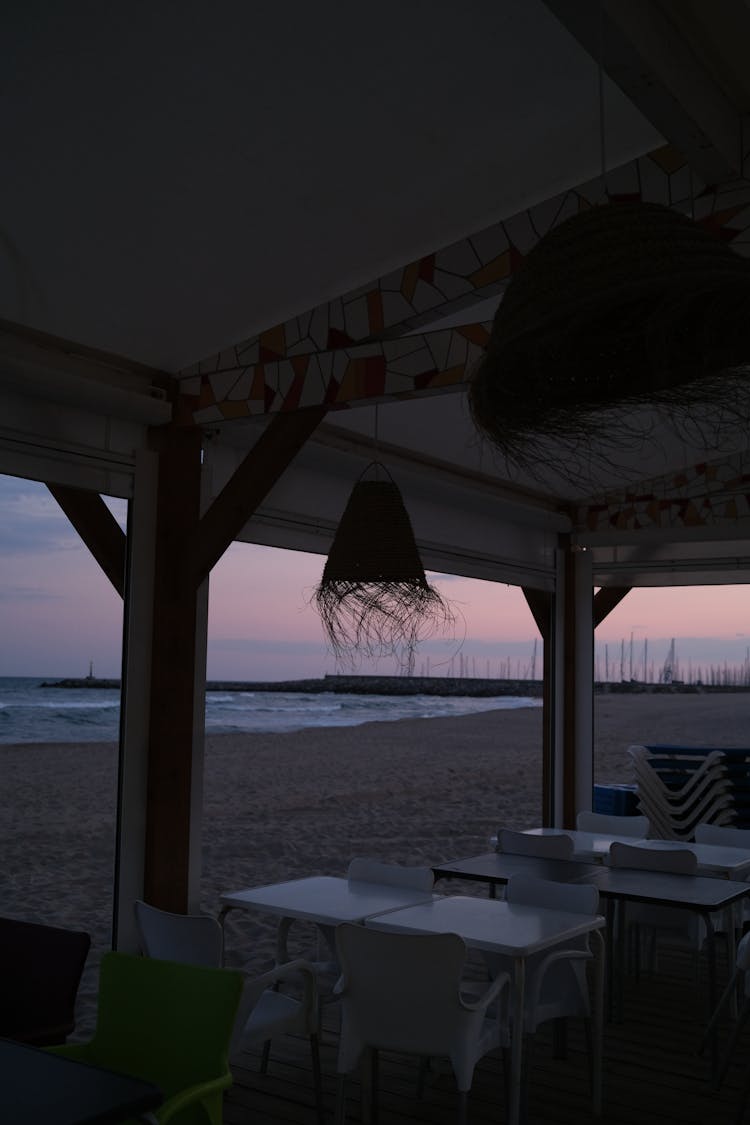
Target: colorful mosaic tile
[
  {"x": 424, "y": 291},
  {"x": 697, "y": 497}
]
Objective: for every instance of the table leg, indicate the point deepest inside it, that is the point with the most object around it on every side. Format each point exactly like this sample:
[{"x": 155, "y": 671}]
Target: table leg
[
  {"x": 600, "y": 959},
  {"x": 516, "y": 1041},
  {"x": 620, "y": 944},
  {"x": 733, "y": 924},
  {"x": 711, "y": 953}
]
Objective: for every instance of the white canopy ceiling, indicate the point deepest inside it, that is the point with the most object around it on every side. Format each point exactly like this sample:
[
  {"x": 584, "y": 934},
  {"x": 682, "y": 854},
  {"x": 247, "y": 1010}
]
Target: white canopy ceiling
[{"x": 181, "y": 177}]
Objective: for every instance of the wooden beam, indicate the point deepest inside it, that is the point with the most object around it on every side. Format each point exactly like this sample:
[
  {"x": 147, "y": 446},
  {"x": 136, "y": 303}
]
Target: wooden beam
[
  {"x": 606, "y": 599},
  {"x": 539, "y": 602},
  {"x": 644, "y": 50},
  {"x": 251, "y": 482},
  {"x": 98, "y": 528},
  {"x": 170, "y": 755}
]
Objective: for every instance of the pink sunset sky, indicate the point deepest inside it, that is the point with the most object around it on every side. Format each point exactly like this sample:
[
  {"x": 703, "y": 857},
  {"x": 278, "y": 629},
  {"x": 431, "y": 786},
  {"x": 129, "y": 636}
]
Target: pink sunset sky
[{"x": 58, "y": 612}]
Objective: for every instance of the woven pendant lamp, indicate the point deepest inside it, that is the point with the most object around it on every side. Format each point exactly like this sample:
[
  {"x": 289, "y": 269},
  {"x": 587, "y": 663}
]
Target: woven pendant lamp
[
  {"x": 623, "y": 304},
  {"x": 374, "y": 598}
]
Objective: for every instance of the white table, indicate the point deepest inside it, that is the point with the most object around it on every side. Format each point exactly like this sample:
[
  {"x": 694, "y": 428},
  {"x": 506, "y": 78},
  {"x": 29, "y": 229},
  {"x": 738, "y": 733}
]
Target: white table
[
  {"x": 713, "y": 859},
  {"x": 515, "y": 931},
  {"x": 703, "y": 895},
  {"x": 324, "y": 900}
]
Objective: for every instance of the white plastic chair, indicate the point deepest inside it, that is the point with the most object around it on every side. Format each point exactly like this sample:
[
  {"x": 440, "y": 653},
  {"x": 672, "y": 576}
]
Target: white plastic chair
[
  {"x": 556, "y": 984},
  {"x": 363, "y": 870},
  {"x": 666, "y": 925},
  {"x": 674, "y": 809},
  {"x": 636, "y": 826},
  {"x": 264, "y": 1012},
  {"x": 403, "y": 992},
  {"x": 723, "y": 835},
  {"x": 543, "y": 847},
  {"x": 741, "y": 975}
]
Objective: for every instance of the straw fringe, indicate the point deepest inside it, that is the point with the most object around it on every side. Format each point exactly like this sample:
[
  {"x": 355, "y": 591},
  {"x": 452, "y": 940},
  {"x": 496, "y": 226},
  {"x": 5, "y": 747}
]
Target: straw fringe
[
  {"x": 625, "y": 304},
  {"x": 374, "y": 599}
]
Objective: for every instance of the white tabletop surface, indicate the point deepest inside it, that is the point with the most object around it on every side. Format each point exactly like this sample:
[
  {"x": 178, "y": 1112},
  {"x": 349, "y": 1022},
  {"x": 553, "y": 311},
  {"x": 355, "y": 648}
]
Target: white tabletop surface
[
  {"x": 663, "y": 888},
  {"x": 483, "y": 923},
  {"x": 324, "y": 899},
  {"x": 711, "y": 857}
]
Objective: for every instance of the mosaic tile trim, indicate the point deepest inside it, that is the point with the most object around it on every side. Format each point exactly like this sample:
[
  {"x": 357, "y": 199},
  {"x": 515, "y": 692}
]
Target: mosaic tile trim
[
  {"x": 710, "y": 494},
  {"x": 340, "y": 352},
  {"x": 404, "y": 367}
]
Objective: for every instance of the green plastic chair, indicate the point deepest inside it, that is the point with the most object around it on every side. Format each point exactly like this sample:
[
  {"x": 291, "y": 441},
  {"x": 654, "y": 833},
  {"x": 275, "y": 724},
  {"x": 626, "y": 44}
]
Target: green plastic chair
[{"x": 169, "y": 1024}]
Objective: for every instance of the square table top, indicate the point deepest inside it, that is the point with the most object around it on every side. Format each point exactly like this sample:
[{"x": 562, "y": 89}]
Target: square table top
[
  {"x": 42, "y": 1088},
  {"x": 325, "y": 899},
  {"x": 712, "y": 858},
  {"x": 664, "y": 888},
  {"x": 698, "y": 892},
  {"x": 498, "y": 867},
  {"x": 489, "y": 924}
]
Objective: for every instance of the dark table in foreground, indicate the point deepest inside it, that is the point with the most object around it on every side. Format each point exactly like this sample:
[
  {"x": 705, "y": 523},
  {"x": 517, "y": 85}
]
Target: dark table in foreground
[{"x": 40, "y": 1088}]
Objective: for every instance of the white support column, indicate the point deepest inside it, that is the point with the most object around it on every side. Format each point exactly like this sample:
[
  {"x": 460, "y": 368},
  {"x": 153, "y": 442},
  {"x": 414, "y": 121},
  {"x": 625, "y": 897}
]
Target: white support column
[
  {"x": 584, "y": 679},
  {"x": 135, "y": 702},
  {"x": 557, "y": 690}
]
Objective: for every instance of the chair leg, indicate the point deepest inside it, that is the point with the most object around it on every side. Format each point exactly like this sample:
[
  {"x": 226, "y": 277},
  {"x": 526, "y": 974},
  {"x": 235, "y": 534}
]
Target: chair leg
[
  {"x": 264, "y": 1057},
  {"x": 317, "y": 1079},
  {"x": 463, "y": 1098},
  {"x": 374, "y": 1082},
  {"x": 589, "y": 1049},
  {"x": 743, "y": 1103},
  {"x": 732, "y": 1042},
  {"x": 560, "y": 1038},
  {"x": 424, "y": 1064},
  {"x": 340, "y": 1109}
]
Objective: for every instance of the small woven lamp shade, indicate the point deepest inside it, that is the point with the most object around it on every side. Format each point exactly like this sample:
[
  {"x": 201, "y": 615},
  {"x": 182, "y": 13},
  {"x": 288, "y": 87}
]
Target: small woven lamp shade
[
  {"x": 374, "y": 598},
  {"x": 627, "y": 303}
]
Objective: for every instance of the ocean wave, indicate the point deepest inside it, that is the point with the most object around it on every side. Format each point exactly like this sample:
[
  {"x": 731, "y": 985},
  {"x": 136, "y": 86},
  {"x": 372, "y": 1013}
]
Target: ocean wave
[{"x": 33, "y": 715}]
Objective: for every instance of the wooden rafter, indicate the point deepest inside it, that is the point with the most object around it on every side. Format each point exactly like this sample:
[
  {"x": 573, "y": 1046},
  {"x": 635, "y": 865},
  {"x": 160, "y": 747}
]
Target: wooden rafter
[
  {"x": 98, "y": 528},
  {"x": 606, "y": 599},
  {"x": 251, "y": 483}
]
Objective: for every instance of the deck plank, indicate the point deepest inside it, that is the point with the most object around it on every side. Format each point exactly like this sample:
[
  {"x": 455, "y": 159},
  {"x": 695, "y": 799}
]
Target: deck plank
[{"x": 653, "y": 1074}]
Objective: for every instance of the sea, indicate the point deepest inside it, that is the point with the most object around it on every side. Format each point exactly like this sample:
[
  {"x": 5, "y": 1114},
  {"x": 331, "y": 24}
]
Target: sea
[{"x": 32, "y": 713}]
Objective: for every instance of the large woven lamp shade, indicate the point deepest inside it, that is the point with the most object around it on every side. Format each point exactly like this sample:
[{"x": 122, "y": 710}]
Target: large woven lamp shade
[
  {"x": 374, "y": 598},
  {"x": 624, "y": 304}
]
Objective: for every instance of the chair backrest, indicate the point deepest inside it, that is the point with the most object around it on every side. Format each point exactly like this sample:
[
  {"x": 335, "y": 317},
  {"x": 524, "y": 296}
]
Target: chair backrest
[
  {"x": 723, "y": 835},
  {"x": 401, "y": 990},
  {"x": 544, "y": 847},
  {"x": 167, "y": 1023},
  {"x": 366, "y": 870},
  {"x": 677, "y": 860},
  {"x": 616, "y": 825},
  {"x": 192, "y": 939},
  {"x": 529, "y": 891},
  {"x": 40, "y": 971}
]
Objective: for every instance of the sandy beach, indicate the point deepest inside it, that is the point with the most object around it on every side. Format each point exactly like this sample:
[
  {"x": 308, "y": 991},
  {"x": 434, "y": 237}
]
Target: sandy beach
[{"x": 279, "y": 806}]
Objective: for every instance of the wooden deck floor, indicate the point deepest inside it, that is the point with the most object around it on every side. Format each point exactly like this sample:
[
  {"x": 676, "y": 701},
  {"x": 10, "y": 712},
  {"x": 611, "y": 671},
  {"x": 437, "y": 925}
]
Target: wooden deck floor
[{"x": 653, "y": 1074}]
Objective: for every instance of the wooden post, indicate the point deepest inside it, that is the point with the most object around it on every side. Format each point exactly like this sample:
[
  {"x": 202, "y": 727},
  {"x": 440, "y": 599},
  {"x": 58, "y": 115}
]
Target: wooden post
[{"x": 173, "y": 667}]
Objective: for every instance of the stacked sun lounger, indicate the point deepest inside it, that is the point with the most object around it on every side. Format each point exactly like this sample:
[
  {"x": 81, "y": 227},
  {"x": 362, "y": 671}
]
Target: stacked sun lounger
[{"x": 681, "y": 787}]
